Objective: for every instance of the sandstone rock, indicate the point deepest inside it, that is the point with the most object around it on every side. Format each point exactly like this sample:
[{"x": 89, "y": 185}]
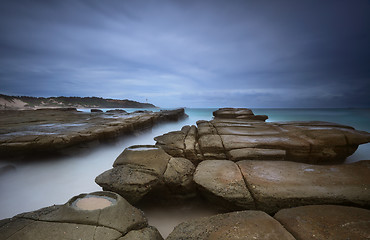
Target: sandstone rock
[
  {"x": 329, "y": 222},
  {"x": 245, "y": 225},
  {"x": 130, "y": 181},
  {"x": 47, "y": 131},
  {"x": 179, "y": 176},
  {"x": 109, "y": 216},
  {"x": 190, "y": 145},
  {"x": 147, "y": 156},
  {"x": 232, "y": 112},
  {"x": 256, "y": 154},
  {"x": 116, "y": 111},
  {"x": 149, "y": 233},
  {"x": 172, "y": 143},
  {"x": 281, "y": 184},
  {"x": 222, "y": 183}
]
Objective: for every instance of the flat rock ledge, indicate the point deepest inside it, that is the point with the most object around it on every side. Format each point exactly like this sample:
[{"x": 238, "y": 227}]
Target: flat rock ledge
[
  {"x": 93, "y": 216},
  {"x": 266, "y": 179},
  {"x": 302, "y": 223},
  {"x": 238, "y": 134},
  {"x": 47, "y": 130}
]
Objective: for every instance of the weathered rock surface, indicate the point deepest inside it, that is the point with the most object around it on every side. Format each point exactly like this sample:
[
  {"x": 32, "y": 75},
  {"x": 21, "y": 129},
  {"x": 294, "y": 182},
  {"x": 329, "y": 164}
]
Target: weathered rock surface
[
  {"x": 48, "y": 130},
  {"x": 146, "y": 156},
  {"x": 141, "y": 169},
  {"x": 238, "y": 134},
  {"x": 329, "y": 222},
  {"x": 222, "y": 182},
  {"x": 246, "y": 225},
  {"x": 149, "y": 233},
  {"x": 179, "y": 176},
  {"x": 98, "y": 215},
  {"x": 281, "y": 184},
  {"x": 131, "y": 182},
  {"x": 243, "y": 163}
]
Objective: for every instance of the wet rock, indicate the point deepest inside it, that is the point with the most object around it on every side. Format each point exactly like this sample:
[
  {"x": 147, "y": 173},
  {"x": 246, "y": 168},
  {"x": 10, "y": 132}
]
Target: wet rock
[
  {"x": 247, "y": 225},
  {"x": 222, "y": 183},
  {"x": 179, "y": 176},
  {"x": 86, "y": 216},
  {"x": 47, "y": 131},
  {"x": 116, "y": 111},
  {"x": 330, "y": 222},
  {"x": 281, "y": 184},
  {"x": 93, "y": 110}
]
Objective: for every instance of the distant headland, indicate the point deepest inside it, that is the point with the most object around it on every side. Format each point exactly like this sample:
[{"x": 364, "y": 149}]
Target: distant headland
[{"x": 25, "y": 102}]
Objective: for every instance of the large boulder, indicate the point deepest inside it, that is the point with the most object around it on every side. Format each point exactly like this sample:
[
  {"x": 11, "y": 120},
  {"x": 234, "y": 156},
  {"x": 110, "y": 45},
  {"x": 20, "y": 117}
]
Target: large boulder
[
  {"x": 245, "y": 225},
  {"x": 146, "y": 156},
  {"x": 98, "y": 215},
  {"x": 329, "y": 222},
  {"x": 282, "y": 184},
  {"x": 143, "y": 169},
  {"x": 129, "y": 181},
  {"x": 222, "y": 183}
]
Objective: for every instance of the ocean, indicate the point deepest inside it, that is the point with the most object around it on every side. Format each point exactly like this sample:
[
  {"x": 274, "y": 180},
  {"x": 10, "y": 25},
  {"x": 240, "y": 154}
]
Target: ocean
[{"x": 37, "y": 184}]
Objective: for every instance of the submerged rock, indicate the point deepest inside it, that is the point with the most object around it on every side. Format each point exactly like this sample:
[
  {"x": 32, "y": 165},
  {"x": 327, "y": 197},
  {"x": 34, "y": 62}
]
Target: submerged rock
[{"x": 98, "y": 215}]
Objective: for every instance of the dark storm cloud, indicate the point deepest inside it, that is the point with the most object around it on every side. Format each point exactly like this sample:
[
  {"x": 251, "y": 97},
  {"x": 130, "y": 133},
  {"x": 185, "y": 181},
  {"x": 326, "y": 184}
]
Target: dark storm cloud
[{"x": 189, "y": 53}]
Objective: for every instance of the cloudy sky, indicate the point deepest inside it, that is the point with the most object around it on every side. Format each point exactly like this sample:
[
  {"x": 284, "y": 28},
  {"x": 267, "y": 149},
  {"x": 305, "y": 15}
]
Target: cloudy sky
[{"x": 174, "y": 53}]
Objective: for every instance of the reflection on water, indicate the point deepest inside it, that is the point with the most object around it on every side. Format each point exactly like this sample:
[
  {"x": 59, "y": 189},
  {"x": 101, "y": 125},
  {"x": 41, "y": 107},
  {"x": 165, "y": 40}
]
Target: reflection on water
[{"x": 34, "y": 185}]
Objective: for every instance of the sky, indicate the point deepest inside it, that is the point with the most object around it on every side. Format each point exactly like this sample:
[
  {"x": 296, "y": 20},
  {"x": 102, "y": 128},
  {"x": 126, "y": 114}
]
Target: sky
[{"x": 179, "y": 53}]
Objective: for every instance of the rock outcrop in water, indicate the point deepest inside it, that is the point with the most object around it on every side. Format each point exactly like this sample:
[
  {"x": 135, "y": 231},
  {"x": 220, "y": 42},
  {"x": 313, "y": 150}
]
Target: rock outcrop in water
[
  {"x": 98, "y": 215},
  {"x": 236, "y": 161},
  {"x": 238, "y": 134},
  {"x": 49, "y": 130},
  {"x": 242, "y": 162}
]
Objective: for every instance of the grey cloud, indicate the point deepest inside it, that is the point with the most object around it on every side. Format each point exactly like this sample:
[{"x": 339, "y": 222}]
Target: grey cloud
[{"x": 189, "y": 53}]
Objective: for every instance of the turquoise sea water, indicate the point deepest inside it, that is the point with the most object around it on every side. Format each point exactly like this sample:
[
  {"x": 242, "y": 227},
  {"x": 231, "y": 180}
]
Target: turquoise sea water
[{"x": 34, "y": 185}]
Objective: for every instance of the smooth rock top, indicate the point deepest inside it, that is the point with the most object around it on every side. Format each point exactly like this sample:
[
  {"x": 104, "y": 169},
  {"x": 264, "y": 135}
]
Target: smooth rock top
[
  {"x": 146, "y": 156},
  {"x": 282, "y": 184},
  {"x": 330, "y": 222},
  {"x": 245, "y": 225},
  {"x": 222, "y": 180}
]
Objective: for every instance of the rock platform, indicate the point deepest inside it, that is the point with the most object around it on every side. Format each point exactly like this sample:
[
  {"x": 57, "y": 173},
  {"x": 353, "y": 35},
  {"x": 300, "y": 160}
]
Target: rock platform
[
  {"x": 276, "y": 180},
  {"x": 48, "y": 130},
  {"x": 238, "y": 161}
]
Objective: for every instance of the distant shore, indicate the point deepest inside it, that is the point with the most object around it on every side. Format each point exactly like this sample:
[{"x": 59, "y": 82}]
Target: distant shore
[{"x": 26, "y": 103}]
